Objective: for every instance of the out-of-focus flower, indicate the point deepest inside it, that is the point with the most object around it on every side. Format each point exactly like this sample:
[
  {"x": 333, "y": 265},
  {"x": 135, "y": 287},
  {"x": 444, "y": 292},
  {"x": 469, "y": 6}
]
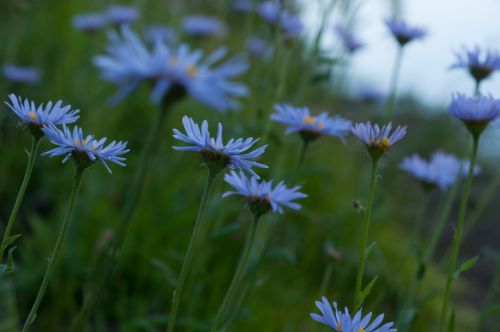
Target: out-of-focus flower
[
  {"x": 203, "y": 26},
  {"x": 242, "y": 6},
  {"x": 310, "y": 127},
  {"x": 122, "y": 15},
  {"x": 215, "y": 154},
  {"x": 370, "y": 95},
  {"x": 85, "y": 150},
  {"x": 378, "y": 140},
  {"x": 129, "y": 62},
  {"x": 403, "y": 32},
  {"x": 162, "y": 33},
  {"x": 34, "y": 117},
  {"x": 351, "y": 42},
  {"x": 91, "y": 22},
  {"x": 343, "y": 321},
  {"x": 261, "y": 196},
  {"x": 480, "y": 63},
  {"x": 259, "y": 48},
  {"x": 440, "y": 171},
  {"x": 475, "y": 112},
  {"x": 289, "y": 24},
  {"x": 19, "y": 74}
]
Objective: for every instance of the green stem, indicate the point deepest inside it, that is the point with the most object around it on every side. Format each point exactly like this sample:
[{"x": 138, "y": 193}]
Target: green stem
[
  {"x": 407, "y": 313},
  {"x": 364, "y": 239},
  {"x": 302, "y": 157},
  {"x": 391, "y": 100},
  {"x": 131, "y": 201},
  {"x": 457, "y": 240},
  {"x": 477, "y": 88},
  {"x": 325, "y": 281},
  {"x": 20, "y": 195},
  {"x": 193, "y": 245},
  {"x": 237, "y": 277},
  {"x": 57, "y": 248}
]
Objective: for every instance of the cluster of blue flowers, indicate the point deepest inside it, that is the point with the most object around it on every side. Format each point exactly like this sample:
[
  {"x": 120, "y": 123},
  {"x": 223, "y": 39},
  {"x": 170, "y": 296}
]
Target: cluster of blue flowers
[{"x": 115, "y": 15}]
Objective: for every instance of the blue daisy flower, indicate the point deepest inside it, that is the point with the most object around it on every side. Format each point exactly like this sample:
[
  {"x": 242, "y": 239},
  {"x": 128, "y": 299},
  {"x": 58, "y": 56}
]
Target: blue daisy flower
[
  {"x": 261, "y": 196},
  {"x": 34, "y": 117},
  {"x": 122, "y": 15},
  {"x": 343, "y": 321},
  {"x": 476, "y": 112},
  {"x": 259, "y": 48},
  {"x": 403, "y": 32},
  {"x": 310, "y": 127},
  {"x": 20, "y": 74},
  {"x": 440, "y": 171},
  {"x": 215, "y": 154},
  {"x": 242, "y": 6},
  {"x": 91, "y": 22},
  {"x": 289, "y": 24},
  {"x": 85, "y": 150},
  {"x": 201, "y": 79},
  {"x": 480, "y": 63},
  {"x": 378, "y": 140},
  {"x": 351, "y": 42},
  {"x": 162, "y": 33},
  {"x": 129, "y": 62},
  {"x": 203, "y": 26}
]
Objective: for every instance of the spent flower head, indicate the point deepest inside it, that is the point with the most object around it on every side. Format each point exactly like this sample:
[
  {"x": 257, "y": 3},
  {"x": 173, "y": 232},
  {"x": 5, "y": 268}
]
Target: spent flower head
[
  {"x": 343, "y": 321},
  {"x": 479, "y": 63},
  {"x": 404, "y": 32},
  {"x": 261, "y": 196},
  {"x": 475, "y": 112},
  {"x": 376, "y": 139},
  {"x": 203, "y": 26},
  {"x": 310, "y": 127},
  {"x": 35, "y": 117},
  {"x": 84, "y": 150},
  {"x": 441, "y": 171},
  {"x": 215, "y": 154},
  {"x": 21, "y": 74}
]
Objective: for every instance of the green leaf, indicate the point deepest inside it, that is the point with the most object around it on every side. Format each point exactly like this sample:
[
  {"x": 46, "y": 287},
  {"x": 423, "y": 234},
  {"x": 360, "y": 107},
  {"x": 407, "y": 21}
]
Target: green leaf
[
  {"x": 3, "y": 268},
  {"x": 11, "y": 239},
  {"x": 365, "y": 292},
  {"x": 166, "y": 270},
  {"x": 370, "y": 248},
  {"x": 225, "y": 230},
  {"x": 465, "y": 266},
  {"x": 11, "y": 265}
]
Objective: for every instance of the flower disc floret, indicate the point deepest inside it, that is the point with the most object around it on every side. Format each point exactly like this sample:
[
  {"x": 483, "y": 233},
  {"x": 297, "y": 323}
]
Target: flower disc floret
[{"x": 216, "y": 155}]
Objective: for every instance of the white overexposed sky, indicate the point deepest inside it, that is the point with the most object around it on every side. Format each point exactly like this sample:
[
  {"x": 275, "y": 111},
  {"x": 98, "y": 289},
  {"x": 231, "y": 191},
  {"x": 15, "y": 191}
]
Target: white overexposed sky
[{"x": 451, "y": 24}]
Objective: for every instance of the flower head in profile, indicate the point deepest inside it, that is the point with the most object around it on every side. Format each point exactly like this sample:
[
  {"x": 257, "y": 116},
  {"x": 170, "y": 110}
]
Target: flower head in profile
[
  {"x": 215, "y": 154},
  {"x": 479, "y": 63},
  {"x": 122, "y": 15},
  {"x": 91, "y": 22},
  {"x": 289, "y": 24},
  {"x": 441, "y": 171},
  {"x": 242, "y": 6},
  {"x": 161, "y": 33},
  {"x": 203, "y": 26},
  {"x": 343, "y": 321},
  {"x": 261, "y": 196},
  {"x": 35, "y": 117},
  {"x": 403, "y": 32},
  {"x": 475, "y": 112},
  {"x": 84, "y": 150},
  {"x": 129, "y": 62},
  {"x": 351, "y": 42},
  {"x": 310, "y": 127},
  {"x": 19, "y": 74},
  {"x": 378, "y": 140},
  {"x": 259, "y": 48},
  {"x": 370, "y": 95}
]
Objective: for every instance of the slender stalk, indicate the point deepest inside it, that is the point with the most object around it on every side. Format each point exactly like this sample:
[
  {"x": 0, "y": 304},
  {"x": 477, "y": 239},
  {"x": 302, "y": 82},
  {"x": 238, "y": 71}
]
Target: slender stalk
[
  {"x": 391, "y": 100},
  {"x": 237, "y": 277},
  {"x": 407, "y": 315},
  {"x": 364, "y": 239},
  {"x": 57, "y": 248},
  {"x": 325, "y": 281},
  {"x": 477, "y": 88},
  {"x": 457, "y": 240},
  {"x": 302, "y": 157},
  {"x": 193, "y": 245},
  {"x": 131, "y": 201},
  {"x": 13, "y": 214}
]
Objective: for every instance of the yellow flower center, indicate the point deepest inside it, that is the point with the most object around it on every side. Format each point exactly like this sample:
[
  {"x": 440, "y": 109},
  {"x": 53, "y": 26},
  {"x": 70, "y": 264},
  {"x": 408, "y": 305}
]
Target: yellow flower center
[
  {"x": 310, "y": 120},
  {"x": 76, "y": 142},
  {"x": 192, "y": 70},
  {"x": 339, "y": 327},
  {"x": 94, "y": 147},
  {"x": 385, "y": 143},
  {"x": 172, "y": 60},
  {"x": 85, "y": 142},
  {"x": 32, "y": 115},
  {"x": 361, "y": 329}
]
